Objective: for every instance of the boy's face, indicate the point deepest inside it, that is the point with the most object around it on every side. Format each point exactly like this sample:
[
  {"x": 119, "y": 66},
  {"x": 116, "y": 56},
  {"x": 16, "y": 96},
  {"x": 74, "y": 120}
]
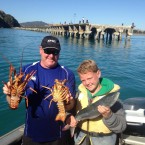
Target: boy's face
[{"x": 90, "y": 80}]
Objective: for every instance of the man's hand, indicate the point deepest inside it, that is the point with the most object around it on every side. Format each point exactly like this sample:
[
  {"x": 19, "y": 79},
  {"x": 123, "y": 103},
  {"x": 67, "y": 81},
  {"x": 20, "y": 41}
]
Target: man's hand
[
  {"x": 68, "y": 106},
  {"x": 6, "y": 88},
  {"x": 6, "y": 91}
]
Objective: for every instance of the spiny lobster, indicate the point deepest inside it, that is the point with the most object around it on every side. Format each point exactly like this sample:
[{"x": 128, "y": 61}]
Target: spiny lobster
[
  {"x": 17, "y": 84},
  {"x": 60, "y": 94}
]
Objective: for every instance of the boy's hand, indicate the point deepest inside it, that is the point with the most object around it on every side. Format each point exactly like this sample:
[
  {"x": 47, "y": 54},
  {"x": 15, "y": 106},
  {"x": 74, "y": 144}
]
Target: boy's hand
[{"x": 105, "y": 111}]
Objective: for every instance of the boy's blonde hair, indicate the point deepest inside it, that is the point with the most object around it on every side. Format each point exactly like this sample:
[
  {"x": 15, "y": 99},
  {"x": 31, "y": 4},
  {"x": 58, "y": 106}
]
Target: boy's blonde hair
[{"x": 87, "y": 66}]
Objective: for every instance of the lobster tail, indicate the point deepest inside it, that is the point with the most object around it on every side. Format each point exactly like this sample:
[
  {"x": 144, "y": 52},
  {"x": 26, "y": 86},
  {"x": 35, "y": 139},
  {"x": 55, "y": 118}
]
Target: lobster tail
[{"x": 61, "y": 117}]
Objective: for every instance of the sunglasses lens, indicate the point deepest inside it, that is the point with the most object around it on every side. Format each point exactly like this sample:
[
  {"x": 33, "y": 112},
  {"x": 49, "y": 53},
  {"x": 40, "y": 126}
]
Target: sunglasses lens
[{"x": 49, "y": 51}]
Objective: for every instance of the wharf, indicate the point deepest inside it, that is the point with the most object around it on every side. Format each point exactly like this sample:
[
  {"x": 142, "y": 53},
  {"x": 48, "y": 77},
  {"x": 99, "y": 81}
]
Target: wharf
[{"x": 86, "y": 30}]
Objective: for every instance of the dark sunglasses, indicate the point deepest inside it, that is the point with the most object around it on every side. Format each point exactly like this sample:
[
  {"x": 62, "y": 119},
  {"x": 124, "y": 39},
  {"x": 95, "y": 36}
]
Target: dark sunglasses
[{"x": 50, "y": 51}]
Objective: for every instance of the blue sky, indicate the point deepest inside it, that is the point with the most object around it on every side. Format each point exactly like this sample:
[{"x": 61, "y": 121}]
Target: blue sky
[{"x": 112, "y": 12}]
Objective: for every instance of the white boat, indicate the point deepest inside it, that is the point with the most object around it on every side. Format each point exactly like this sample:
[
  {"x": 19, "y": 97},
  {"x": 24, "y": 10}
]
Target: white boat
[
  {"x": 14, "y": 137},
  {"x": 135, "y": 116},
  {"x": 134, "y": 134}
]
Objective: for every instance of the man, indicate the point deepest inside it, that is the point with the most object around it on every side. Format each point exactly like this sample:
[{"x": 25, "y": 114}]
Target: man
[
  {"x": 102, "y": 130},
  {"x": 40, "y": 125}
]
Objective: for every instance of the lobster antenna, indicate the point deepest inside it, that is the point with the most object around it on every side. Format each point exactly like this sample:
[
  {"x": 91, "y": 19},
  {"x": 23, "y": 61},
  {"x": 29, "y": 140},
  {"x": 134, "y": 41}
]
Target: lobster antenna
[
  {"x": 22, "y": 57},
  {"x": 6, "y": 59},
  {"x": 11, "y": 69},
  {"x": 21, "y": 60}
]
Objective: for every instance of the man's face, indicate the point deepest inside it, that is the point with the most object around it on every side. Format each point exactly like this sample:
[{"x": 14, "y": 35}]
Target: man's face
[
  {"x": 90, "y": 80},
  {"x": 49, "y": 57}
]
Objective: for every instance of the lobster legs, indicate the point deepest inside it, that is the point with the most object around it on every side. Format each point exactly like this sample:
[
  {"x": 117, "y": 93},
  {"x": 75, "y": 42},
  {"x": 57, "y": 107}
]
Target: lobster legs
[{"x": 60, "y": 95}]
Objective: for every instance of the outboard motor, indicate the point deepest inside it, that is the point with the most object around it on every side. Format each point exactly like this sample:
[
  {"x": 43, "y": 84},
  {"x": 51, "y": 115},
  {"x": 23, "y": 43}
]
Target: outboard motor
[{"x": 135, "y": 116}]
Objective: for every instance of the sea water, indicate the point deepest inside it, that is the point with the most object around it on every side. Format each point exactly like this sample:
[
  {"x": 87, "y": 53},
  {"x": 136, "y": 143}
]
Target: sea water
[{"x": 121, "y": 61}]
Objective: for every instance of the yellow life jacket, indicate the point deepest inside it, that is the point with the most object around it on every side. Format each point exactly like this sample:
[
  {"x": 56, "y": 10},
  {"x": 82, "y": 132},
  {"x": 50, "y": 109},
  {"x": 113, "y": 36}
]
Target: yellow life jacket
[{"x": 92, "y": 125}]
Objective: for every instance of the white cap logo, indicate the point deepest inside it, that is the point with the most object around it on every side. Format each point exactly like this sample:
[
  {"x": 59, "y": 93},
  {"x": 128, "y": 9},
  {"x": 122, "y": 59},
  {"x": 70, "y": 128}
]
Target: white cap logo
[{"x": 51, "y": 41}]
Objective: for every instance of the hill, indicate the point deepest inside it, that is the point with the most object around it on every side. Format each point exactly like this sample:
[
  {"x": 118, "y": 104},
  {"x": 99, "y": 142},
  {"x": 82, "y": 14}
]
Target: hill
[
  {"x": 7, "y": 20},
  {"x": 34, "y": 24}
]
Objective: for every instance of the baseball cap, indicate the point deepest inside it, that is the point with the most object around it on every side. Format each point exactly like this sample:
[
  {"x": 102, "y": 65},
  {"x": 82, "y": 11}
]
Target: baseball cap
[{"x": 50, "y": 42}]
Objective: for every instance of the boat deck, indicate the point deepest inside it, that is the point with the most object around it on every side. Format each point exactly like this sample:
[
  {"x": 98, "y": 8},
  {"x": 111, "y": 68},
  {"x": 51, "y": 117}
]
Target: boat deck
[
  {"x": 14, "y": 138},
  {"x": 133, "y": 140}
]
